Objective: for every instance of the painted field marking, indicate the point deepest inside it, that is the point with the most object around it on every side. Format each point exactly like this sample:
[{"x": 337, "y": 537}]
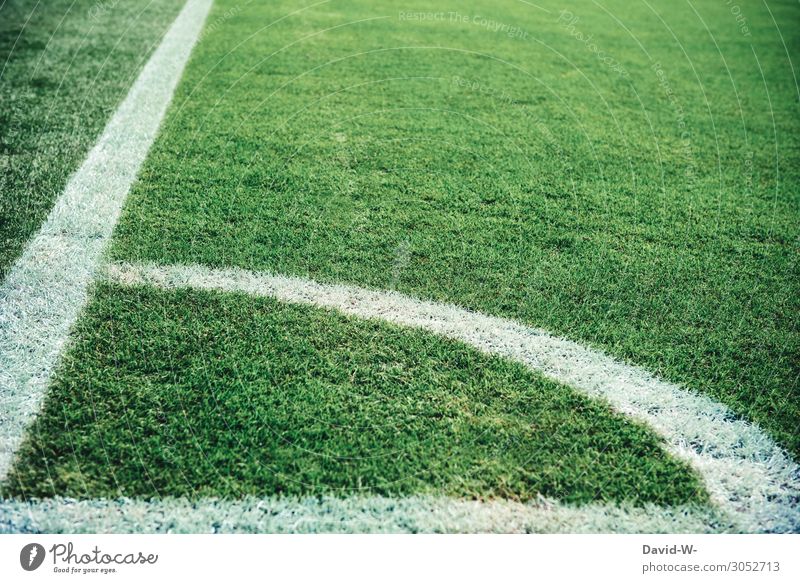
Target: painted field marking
[
  {"x": 752, "y": 480},
  {"x": 46, "y": 288},
  {"x": 355, "y": 514}
]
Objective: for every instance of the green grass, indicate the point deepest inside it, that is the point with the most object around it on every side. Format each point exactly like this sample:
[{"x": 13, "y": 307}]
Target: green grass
[
  {"x": 652, "y": 213},
  {"x": 66, "y": 64},
  {"x": 201, "y": 394}
]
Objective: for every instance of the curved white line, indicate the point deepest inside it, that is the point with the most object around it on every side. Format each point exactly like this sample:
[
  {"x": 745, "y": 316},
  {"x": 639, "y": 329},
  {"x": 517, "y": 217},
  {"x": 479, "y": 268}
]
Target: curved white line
[{"x": 747, "y": 474}]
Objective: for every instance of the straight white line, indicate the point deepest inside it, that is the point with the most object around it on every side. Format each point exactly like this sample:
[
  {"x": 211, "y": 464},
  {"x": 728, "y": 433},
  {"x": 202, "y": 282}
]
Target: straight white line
[
  {"x": 46, "y": 288},
  {"x": 751, "y": 479},
  {"x": 357, "y": 514}
]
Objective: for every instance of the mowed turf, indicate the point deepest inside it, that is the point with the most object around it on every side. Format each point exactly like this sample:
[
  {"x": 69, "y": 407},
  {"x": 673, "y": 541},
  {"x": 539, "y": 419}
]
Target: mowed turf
[
  {"x": 197, "y": 394},
  {"x": 64, "y": 67},
  {"x": 636, "y": 191}
]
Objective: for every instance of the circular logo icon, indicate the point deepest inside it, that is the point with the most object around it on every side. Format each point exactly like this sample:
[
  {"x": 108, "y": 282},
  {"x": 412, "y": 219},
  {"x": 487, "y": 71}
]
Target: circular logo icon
[{"x": 31, "y": 556}]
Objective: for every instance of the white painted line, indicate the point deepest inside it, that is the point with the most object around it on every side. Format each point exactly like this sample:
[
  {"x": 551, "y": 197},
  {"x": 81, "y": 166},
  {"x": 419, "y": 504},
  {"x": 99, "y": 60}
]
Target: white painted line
[
  {"x": 357, "y": 514},
  {"x": 751, "y": 479},
  {"x": 46, "y": 288}
]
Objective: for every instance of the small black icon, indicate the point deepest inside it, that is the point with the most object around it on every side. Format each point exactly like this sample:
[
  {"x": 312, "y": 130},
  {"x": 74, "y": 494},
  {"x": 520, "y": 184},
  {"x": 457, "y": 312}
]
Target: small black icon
[{"x": 31, "y": 556}]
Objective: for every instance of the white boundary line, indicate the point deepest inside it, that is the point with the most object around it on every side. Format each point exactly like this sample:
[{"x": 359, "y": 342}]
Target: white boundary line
[
  {"x": 751, "y": 479},
  {"x": 754, "y": 482},
  {"x": 46, "y": 288},
  {"x": 356, "y": 514}
]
